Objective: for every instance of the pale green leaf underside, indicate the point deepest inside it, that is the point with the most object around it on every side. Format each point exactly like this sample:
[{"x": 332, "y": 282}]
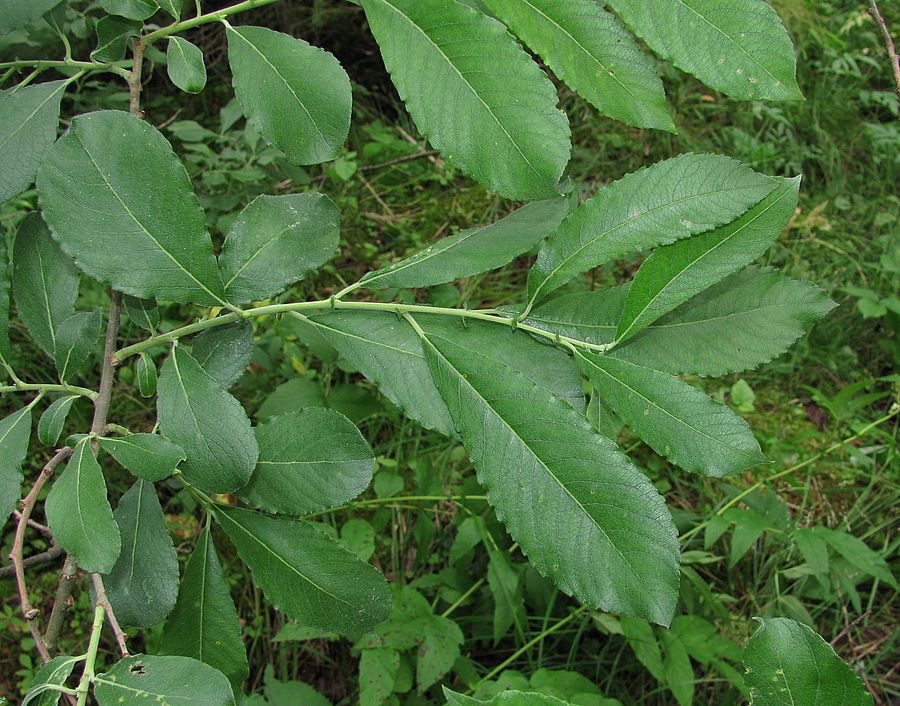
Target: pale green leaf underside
[
  {"x": 675, "y": 273},
  {"x": 309, "y": 460},
  {"x": 307, "y": 575},
  {"x": 140, "y": 230},
  {"x": 15, "y": 433},
  {"x": 163, "y": 680},
  {"x": 79, "y": 513},
  {"x": 297, "y": 96},
  {"x": 748, "y": 319},
  {"x": 475, "y": 250},
  {"x": 28, "y": 120},
  {"x": 674, "y": 418},
  {"x": 790, "y": 665},
  {"x": 185, "y": 65},
  {"x": 740, "y": 47},
  {"x": 594, "y": 54},
  {"x": 204, "y": 624},
  {"x": 474, "y": 93},
  {"x": 668, "y": 201},
  {"x": 582, "y": 513}
]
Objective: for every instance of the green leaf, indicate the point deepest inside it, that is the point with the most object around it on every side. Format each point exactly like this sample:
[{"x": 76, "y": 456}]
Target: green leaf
[
  {"x": 587, "y": 506},
  {"x": 76, "y": 340},
  {"x": 143, "y": 584},
  {"x": 224, "y": 351},
  {"x": 858, "y": 554},
  {"x": 28, "y": 120},
  {"x": 448, "y": 63},
  {"x": 15, "y": 433},
  {"x": 377, "y": 672},
  {"x": 358, "y": 536},
  {"x": 142, "y": 312},
  {"x": 208, "y": 423},
  {"x": 113, "y": 34},
  {"x": 148, "y": 456},
  {"x": 53, "y": 419},
  {"x": 140, "y": 230},
  {"x": 594, "y": 54},
  {"x": 79, "y": 513},
  {"x": 642, "y": 640},
  {"x": 132, "y": 9},
  {"x": 4, "y": 302},
  {"x": 677, "y": 420},
  {"x": 45, "y": 282},
  {"x": 306, "y": 574},
  {"x": 15, "y": 14},
  {"x": 204, "y": 624},
  {"x": 290, "y": 693},
  {"x": 668, "y": 201},
  {"x": 185, "y": 65},
  {"x": 475, "y": 250},
  {"x": 309, "y": 460},
  {"x": 145, "y": 372},
  {"x": 741, "y": 48},
  {"x": 677, "y": 668},
  {"x": 173, "y": 7},
  {"x": 54, "y": 673},
  {"x": 505, "y": 583},
  {"x": 296, "y": 95},
  {"x": 291, "y": 396},
  {"x": 276, "y": 241},
  {"x": 439, "y": 649},
  {"x": 787, "y": 662},
  {"x": 504, "y": 698},
  {"x": 814, "y": 549},
  {"x": 675, "y": 273},
  {"x": 166, "y": 680}
]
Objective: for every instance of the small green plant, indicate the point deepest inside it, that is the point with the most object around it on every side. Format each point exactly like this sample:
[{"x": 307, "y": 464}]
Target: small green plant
[{"x": 116, "y": 205}]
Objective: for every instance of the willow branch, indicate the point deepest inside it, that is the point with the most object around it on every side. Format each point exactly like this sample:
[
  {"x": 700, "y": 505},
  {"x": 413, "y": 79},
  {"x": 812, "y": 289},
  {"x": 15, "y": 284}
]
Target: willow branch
[
  {"x": 48, "y": 387},
  {"x": 61, "y": 604},
  {"x": 52, "y": 554},
  {"x": 888, "y": 42},
  {"x": 215, "y": 16},
  {"x": 103, "y": 601}
]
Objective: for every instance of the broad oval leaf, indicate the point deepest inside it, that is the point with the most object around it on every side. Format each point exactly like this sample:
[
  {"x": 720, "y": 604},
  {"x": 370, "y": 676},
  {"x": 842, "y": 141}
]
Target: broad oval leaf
[
  {"x": 309, "y": 460},
  {"x": 475, "y": 250},
  {"x": 15, "y": 14},
  {"x": 76, "y": 340},
  {"x": 276, "y": 241},
  {"x": 79, "y": 513},
  {"x": 204, "y": 624},
  {"x": 142, "y": 679},
  {"x": 136, "y": 225},
  {"x": 787, "y": 662},
  {"x": 148, "y": 456},
  {"x": 113, "y": 34},
  {"x": 306, "y": 574},
  {"x": 28, "y": 120},
  {"x": 675, "y": 273},
  {"x": 208, "y": 423},
  {"x": 53, "y": 419},
  {"x": 670, "y": 200},
  {"x": 184, "y": 64},
  {"x": 594, "y": 54},
  {"x": 45, "y": 282},
  {"x": 674, "y": 418},
  {"x": 474, "y": 93},
  {"x": 143, "y": 585},
  {"x": 297, "y": 95},
  {"x": 582, "y": 513},
  {"x": 132, "y": 9},
  {"x": 15, "y": 433},
  {"x": 224, "y": 351},
  {"x": 740, "y": 47}
]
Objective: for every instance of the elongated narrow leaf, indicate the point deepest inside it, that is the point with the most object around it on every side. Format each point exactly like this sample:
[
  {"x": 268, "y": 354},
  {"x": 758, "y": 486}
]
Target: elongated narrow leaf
[
  {"x": 582, "y": 513},
  {"x": 309, "y": 460},
  {"x": 184, "y": 64},
  {"x": 53, "y": 419},
  {"x": 674, "y": 199},
  {"x": 79, "y": 513},
  {"x": 276, "y": 241},
  {"x": 163, "y": 680},
  {"x": 474, "y": 251},
  {"x": 143, "y": 313},
  {"x": 740, "y": 48},
  {"x": 788, "y": 663},
  {"x": 28, "y": 120},
  {"x": 76, "y": 339},
  {"x": 476, "y": 95},
  {"x": 505, "y": 581},
  {"x": 224, "y": 351},
  {"x": 204, "y": 624},
  {"x": 148, "y": 456},
  {"x": 143, "y": 585},
  {"x": 15, "y": 433},
  {"x": 296, "y": 95},
  {"x": 54, "y": 673},
  {"x": 4, "y": 301},
  {"x": 208, "y": 423},
  {"x": 674, "y": 418},
  {"x": 306, "y": 574},
  {"x": 45, "y": 282},
  {"x": 858, "y": 554},
  {"x": 15, "y": 14},
  {"x": 145, "y": 374},
  {"x": 140, "y": 230},
  {"x": 594, "y": 54},
  {"x": 677, "y": 272}
]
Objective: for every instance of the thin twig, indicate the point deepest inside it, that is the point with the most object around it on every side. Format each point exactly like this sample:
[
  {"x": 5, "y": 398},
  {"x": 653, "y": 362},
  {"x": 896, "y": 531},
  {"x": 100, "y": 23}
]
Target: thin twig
[
  {"x": 101, "y": 404},
  {"x": 103, "y": 601},
  {"x": 19, "y": 542},
  {"x": 61, "y": 604},
  {"x": 134, "y": 80},
  {"x": 888, "y": 42},
  {"x": 52, "y": 554},
  {"x": 399, "y": 160}
]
